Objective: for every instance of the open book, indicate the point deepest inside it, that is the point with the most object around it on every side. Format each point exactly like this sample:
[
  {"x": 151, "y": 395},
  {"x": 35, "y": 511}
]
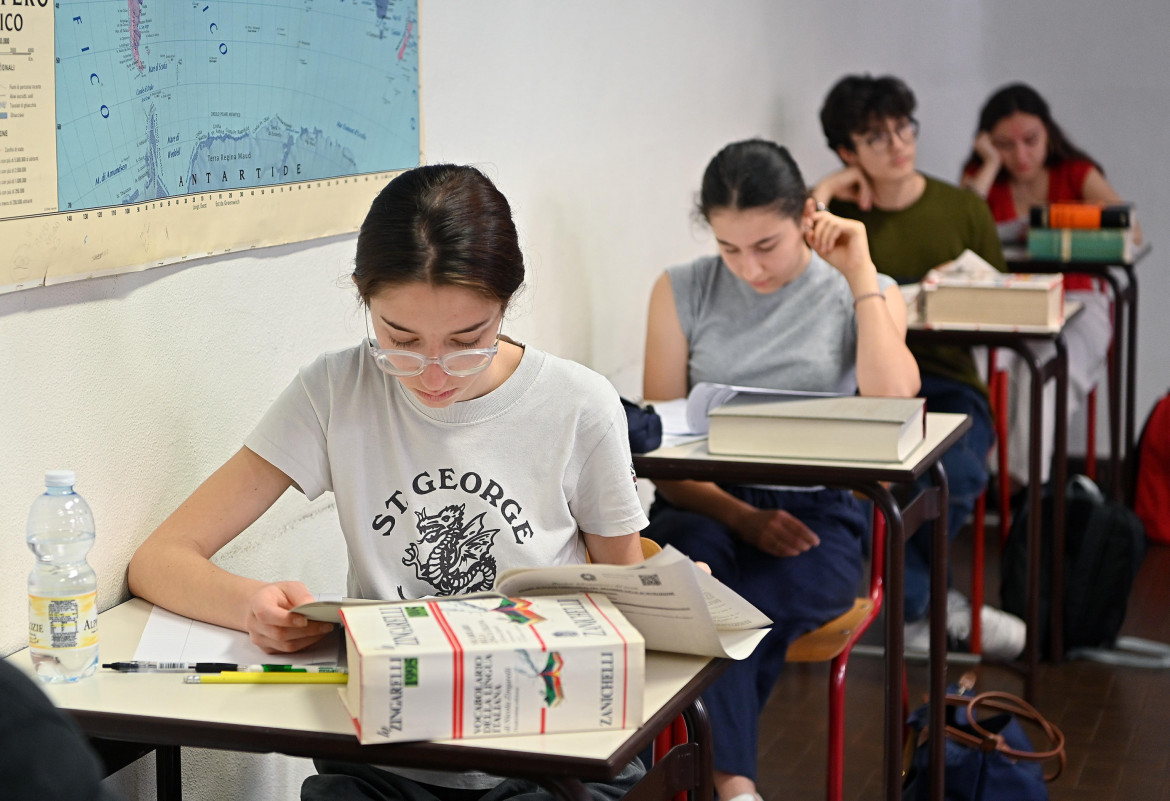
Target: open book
[
  {"x": 673, "y": 603},
  {"x": 706, "y": 396}
]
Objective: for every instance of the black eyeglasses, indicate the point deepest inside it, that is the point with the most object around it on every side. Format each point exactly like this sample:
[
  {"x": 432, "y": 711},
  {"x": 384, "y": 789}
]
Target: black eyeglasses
[{"x": 879, "y": 141}]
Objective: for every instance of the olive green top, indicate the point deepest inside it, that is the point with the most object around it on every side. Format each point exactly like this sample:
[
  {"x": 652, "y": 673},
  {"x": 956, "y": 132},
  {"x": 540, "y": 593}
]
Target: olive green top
[{"x": 936, "y": 228}]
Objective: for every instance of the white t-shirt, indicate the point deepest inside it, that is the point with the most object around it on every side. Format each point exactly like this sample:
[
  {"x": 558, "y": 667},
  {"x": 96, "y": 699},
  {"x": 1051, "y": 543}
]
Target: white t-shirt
[{"x": 437, "y": 501}]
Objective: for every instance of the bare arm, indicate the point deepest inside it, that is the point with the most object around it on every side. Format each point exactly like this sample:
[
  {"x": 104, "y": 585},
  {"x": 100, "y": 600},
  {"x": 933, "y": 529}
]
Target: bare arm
[
  {"x": 847, "y": 183},
  {"x": 173, "y": 567},
  {"x": 1098, "y": 190},
  {"x": 885, "y": 365},
  {"x": 981, "y": 180},
  {"x": 623, "y": 550},
  {"x": 665, "y": 373}
]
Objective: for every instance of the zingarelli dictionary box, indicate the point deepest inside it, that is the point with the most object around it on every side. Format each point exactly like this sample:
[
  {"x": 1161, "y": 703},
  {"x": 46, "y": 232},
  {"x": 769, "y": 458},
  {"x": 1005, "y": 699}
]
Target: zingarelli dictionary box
[{"x": 451, "y": 668}]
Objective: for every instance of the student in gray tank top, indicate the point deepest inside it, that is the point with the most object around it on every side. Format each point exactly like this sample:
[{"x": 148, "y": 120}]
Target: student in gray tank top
[{"x": 792, "y": 300}]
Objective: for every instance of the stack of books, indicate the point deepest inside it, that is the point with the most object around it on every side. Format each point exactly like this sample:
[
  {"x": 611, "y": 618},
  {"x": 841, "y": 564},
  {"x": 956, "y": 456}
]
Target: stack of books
[{"x": 1081, "y": 232}]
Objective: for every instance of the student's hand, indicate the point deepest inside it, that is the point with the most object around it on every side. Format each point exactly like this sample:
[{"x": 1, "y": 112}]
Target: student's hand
[
  {"x": 843, "y": 244},
  {"x": 986, "y": 150},
  {"x": 273, "y": 627},
  {"x": 776, "y": 532},
  {"x": 848, "y": 183}
]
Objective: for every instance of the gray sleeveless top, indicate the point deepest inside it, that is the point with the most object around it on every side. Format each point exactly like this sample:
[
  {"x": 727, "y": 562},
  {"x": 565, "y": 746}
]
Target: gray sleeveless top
[{"x": 803, "y": 336}]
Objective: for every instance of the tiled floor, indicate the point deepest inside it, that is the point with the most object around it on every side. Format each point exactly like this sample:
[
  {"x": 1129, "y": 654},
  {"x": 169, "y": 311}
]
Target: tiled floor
[{"x": 1116, "y": 720}]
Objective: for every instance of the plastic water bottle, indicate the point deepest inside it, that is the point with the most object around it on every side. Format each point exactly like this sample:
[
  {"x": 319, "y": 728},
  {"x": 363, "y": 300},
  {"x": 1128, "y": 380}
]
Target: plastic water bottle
[{"x": 62, "y": 587}]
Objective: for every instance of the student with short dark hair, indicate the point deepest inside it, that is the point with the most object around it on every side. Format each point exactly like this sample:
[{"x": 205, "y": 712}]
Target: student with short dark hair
[
  {"x": 915, "y": 223},
  {"x": 791, "y": 300},
  {"x": 452, "y": 452}
]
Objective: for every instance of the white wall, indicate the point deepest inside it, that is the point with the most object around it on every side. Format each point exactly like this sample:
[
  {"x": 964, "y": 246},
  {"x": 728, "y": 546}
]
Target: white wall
[{"x": 596, "y": 119}]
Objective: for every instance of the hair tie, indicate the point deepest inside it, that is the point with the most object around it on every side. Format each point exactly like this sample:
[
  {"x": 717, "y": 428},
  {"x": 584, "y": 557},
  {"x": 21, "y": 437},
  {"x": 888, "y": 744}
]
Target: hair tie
[{"x": 860, "y": 298}]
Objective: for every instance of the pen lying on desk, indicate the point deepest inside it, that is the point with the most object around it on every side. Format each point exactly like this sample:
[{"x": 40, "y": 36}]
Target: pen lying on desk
[
  {"x": 217, "y": 667},
  {"x": 278, "y": 677}
]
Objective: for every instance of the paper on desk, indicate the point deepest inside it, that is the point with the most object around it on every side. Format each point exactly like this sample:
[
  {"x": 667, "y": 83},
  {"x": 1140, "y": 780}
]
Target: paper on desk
[
  {"x": 675, "y": 429},
  {"x": 668, "y": 598},
  {"x": 168, "y": 637}
]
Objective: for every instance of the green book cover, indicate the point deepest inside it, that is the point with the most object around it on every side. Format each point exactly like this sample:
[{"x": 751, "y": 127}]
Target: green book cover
[{"x": 1074, "y": 244}]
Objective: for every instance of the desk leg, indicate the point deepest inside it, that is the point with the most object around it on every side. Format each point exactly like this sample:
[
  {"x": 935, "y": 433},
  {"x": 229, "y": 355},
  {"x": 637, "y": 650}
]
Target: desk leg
[
  {"x": 930, "y": 504},
  {"x": 1059, "y": 483},
  {"x": 699, "y": 727},
  {"x": 168, "y": 773},
  {"x": 1123, "y": 316},
  {"x": 1057, "y": 369},
  {"x": 895, "y": 637},
  {"x": 939, "y": 562},
  {"x": 1130, "y": 468}
]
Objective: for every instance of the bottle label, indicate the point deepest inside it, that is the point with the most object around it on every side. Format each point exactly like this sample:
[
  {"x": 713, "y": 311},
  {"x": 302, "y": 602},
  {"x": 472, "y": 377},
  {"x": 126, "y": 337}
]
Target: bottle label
[{"x": 66, "y": 622}]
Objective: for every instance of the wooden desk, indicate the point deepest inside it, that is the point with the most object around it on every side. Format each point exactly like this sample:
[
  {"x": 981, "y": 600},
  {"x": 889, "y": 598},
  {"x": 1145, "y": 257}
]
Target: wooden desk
[
  {"x": 159, "y": 710},
  {"x": 1123, "y": 362},
  {"x": 692, "y": 461},
  {"x": 1055, "y": 368}
]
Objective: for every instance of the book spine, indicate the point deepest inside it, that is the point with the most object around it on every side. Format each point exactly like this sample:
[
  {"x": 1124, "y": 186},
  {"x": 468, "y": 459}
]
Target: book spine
[
  {"x": 1068, "y": 244},
  {"x": 1080, "y": 215}
]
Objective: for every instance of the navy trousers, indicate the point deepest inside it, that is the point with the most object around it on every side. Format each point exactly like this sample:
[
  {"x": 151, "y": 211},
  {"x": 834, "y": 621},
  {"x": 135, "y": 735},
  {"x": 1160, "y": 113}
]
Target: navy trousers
[
  {"x": 966, "y": 467},
  {"x": 798, "y": 593}
]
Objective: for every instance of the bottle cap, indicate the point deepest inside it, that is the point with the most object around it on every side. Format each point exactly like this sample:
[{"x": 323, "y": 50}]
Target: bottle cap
[{"x": 60, "y": 478}]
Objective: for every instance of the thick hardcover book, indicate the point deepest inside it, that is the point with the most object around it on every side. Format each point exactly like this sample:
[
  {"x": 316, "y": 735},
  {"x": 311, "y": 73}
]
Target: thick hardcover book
[
  {"x": 1071, "y": 244},
  {"x": 1081, "y": 215},
  {"x": 970, "y": 292},
  {"x": 849, "y": 428},
  {"x": 455, "y": 668}
]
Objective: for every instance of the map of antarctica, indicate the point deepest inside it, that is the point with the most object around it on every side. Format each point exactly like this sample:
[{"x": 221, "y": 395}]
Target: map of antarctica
[{"x": 161, "y": 98}]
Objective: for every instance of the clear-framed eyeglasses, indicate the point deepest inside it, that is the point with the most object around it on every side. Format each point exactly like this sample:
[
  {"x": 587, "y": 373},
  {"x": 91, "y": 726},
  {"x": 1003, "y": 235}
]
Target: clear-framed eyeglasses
[
  {"x": 906, "y": 129},
  {"x": 406, "y": 363}
]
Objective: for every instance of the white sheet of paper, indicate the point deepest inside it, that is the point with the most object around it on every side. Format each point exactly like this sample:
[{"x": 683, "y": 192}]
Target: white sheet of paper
[{"x": 168, "y": 637}]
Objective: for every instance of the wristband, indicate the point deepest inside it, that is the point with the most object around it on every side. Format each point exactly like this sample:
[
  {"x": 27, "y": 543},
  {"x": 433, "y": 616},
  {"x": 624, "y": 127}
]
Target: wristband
[{"x": 860, "y": 298}]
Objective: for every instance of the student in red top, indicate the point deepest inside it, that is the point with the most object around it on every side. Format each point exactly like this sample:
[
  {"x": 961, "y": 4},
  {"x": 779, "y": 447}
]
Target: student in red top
[{"x": 1022, "y": 158}]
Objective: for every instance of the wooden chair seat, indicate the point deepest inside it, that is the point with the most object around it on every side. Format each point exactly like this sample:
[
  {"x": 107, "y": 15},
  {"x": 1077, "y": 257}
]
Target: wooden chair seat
[{"x": 825, "y": 643}]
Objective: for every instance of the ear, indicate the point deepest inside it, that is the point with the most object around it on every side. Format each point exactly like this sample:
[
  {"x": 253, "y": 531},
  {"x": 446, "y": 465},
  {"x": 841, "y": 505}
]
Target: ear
[{"x": 849, "y": 157}]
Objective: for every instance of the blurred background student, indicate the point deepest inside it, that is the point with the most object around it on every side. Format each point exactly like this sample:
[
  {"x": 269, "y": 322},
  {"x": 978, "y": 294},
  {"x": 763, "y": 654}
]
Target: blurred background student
[
  {"x": 916, "y": 222},
  {"x": 1021, "y": 158}
]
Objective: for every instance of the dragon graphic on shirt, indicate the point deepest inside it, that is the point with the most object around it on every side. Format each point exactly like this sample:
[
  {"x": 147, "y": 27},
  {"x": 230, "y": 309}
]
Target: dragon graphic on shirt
[{"x": 459, "y": 560}]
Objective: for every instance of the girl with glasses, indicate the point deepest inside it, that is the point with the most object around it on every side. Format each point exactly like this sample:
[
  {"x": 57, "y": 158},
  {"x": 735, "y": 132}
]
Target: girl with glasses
[
  {"x": 453, "y": 453},
  {"x": 792, "y": 300}
]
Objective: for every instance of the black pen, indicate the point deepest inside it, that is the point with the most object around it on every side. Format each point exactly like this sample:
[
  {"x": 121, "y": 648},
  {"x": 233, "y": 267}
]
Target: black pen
[{"x": 171, "y": 667}]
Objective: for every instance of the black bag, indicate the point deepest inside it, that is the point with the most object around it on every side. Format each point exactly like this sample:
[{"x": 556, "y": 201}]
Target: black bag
[
  {"x": 645, "y": 426},
  {"x": 1105, "y": 544}
]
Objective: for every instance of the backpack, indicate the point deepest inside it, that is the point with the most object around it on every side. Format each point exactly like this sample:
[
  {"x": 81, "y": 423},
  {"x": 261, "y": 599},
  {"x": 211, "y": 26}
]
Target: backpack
[
  {"x": 1152, "y": 477},
  {"x": 1105, "y": 544}
]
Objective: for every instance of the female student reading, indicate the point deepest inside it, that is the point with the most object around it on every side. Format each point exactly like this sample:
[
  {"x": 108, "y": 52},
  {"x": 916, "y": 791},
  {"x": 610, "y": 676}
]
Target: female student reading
[
  {"x": 453, "y": 452},
  {"x": 792, "y": 300},
  {"x": 1022, "y": 158}
]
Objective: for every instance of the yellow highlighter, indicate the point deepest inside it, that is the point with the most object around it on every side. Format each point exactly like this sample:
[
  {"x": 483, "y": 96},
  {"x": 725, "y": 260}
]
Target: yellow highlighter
[{"x": 249, "y": 677}]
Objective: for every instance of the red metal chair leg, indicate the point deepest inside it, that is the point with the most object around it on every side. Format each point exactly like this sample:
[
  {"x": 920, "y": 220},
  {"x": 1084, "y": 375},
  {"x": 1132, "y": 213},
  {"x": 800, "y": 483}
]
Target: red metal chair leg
[{"x": 1001, "y": 434}]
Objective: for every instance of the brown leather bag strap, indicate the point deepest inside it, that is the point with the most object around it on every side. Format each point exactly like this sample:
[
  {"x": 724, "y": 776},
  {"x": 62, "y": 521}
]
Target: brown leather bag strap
[{"x": 989, "y": 741}]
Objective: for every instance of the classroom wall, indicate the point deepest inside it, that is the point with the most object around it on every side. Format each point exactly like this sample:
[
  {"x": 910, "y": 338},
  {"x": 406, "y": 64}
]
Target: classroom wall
[{"x": 596, "y": 120}]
